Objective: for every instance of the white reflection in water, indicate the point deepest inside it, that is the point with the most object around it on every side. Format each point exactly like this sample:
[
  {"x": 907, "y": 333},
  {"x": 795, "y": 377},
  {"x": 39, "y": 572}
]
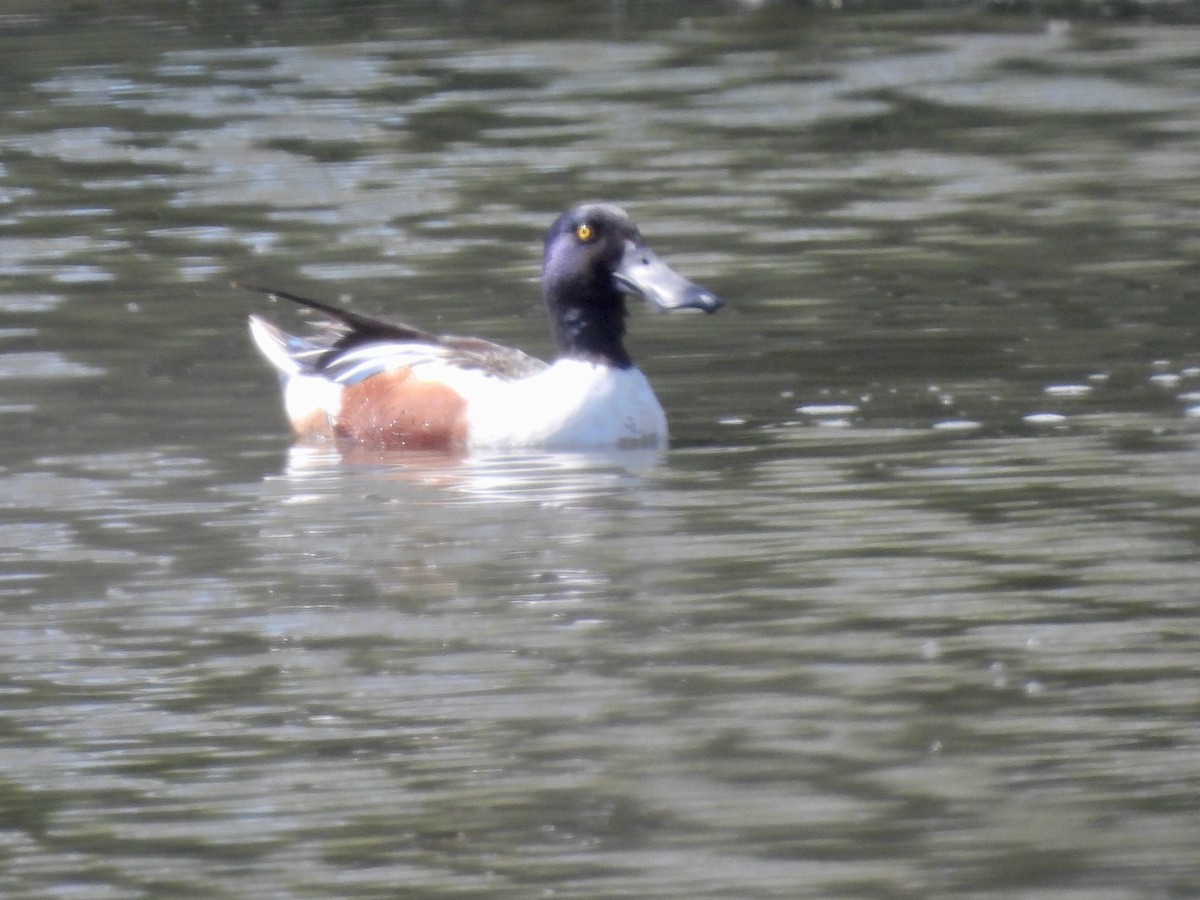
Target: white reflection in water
[{"x": 551, "y": 479}]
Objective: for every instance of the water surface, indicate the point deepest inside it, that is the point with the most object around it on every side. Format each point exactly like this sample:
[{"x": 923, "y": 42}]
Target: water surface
[{"x": 908, "y": 609}]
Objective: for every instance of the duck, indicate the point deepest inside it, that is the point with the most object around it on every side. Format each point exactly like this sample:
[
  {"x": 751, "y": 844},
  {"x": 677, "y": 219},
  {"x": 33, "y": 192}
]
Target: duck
[{"x": 388, "y": 386}]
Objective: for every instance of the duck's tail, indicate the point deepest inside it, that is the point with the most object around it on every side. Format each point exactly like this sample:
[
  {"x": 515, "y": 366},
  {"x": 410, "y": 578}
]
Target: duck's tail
[{"x": 286, "y": 352}]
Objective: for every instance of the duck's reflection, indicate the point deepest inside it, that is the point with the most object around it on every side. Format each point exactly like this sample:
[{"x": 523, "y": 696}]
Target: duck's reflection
[
  {"x": 351, "y": 527},
  {"x": 544, "y": 478}
]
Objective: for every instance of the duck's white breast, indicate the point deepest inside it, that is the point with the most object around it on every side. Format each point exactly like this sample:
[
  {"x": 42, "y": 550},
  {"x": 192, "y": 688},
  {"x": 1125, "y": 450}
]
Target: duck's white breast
[{"x": 573, "y": 404}]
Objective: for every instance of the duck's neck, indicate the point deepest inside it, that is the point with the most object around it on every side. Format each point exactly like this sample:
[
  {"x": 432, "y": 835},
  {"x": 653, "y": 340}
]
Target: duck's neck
[{"x": 590, "y": 325}]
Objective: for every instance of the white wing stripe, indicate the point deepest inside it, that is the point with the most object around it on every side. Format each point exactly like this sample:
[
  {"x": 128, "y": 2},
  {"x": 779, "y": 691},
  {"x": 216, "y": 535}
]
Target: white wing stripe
[{"x": 362, "y": 362}]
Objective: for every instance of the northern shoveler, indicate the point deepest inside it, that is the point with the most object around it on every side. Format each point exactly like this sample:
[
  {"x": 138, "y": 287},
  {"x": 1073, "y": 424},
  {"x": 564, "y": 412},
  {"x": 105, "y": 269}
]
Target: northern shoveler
[{"x": 391, "y": 386}]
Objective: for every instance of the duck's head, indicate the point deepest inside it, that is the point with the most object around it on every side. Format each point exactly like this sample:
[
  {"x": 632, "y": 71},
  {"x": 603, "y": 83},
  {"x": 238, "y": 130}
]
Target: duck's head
[{"x": 594, "y": 258}]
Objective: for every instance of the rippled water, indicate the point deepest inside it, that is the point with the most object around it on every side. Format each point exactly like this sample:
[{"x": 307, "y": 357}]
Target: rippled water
[{"x": 908, "y": 610}]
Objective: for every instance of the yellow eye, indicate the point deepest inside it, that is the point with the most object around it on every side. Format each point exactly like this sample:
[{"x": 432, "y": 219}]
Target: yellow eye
[{"x": 584, "y": 231}]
